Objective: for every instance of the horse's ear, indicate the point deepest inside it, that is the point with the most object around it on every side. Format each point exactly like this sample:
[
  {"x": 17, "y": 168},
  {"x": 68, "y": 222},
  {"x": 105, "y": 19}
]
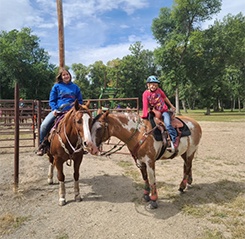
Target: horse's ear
[
  {"x": 87, "y": 104},
  {"x": 99, "y": 111},
  {"x": 76, "y": 105},
  {"x": 104, "y": 115}
]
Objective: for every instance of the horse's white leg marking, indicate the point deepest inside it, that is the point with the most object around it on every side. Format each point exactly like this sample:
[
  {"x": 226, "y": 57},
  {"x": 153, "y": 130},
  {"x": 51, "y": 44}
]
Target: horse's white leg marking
[
  {"x": 77, "y": 191},
  {"x": 150, "y": 172},
  {"x": 62, "y": 193},
  {"x": 50, "y": 173}
]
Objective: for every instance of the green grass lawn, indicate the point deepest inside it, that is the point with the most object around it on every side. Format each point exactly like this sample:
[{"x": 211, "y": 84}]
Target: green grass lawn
[{"x": 226, "y": 116}]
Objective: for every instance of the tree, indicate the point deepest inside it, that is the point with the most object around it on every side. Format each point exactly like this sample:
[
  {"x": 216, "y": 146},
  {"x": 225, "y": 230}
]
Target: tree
[
  {"x": 173, "y": 29},
  {"x": 216, "y": 61},
  {"x": 135, "y": 68},
  {"x": 23, "y": 61}
]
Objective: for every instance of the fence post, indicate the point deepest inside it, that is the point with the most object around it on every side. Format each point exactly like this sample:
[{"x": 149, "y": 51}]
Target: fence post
[{"x": 16, "y": 141}]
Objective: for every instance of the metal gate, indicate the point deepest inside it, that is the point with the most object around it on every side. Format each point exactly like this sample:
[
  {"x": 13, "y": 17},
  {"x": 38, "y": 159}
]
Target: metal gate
[
  {"x": 26, "y": 122},
  {"x": 32, "y": 112}
]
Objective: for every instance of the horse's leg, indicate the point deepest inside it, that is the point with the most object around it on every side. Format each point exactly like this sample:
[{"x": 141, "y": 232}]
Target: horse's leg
[
  {"x": 61, "y": 178},
  {"x": 77, "y": 163},
  {"x": 150, "y": 168},
  {"x": 50, "y": 169},
  {"x": 146, "y": 195},
  {"x": 187, "y": 174},
  {"x": 50, "y": 173}
]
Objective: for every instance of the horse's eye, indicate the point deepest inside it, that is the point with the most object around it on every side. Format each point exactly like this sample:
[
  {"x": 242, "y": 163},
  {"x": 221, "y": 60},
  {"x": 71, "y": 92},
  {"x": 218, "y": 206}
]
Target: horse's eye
[{"x": 79, "y": 121}]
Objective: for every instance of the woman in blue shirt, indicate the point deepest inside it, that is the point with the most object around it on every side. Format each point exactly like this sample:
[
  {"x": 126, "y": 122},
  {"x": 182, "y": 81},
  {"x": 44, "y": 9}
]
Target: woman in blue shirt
[{"x": 61, "y": 97}]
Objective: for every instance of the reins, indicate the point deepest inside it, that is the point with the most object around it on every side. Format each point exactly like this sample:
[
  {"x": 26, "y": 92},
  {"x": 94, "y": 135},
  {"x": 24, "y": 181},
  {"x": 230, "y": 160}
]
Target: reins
[
  {"x": 110, "y": 151},
  {"x": 137, "y": 146},
  {"x": 76, "y": 149}
]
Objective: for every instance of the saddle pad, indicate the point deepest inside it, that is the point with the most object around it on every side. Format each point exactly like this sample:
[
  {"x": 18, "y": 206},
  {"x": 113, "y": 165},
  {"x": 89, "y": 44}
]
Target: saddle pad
[{"x": 185, "y": 131}]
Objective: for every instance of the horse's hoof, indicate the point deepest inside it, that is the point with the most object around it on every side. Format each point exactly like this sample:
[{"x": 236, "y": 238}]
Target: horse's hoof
[
  {"x": 50, "y": 181},
  {"x": 189, "y": 186},
  {"x": 62, "y": 201},
  {"x": 181, "y": 190},
  {"x": 78, "y": 198},
  {"x": 152, "y": 205},
  {"x": 146, "y": 198}
]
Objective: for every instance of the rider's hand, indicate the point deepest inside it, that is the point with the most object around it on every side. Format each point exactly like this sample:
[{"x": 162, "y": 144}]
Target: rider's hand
[
  {"x": 173, "y": 108},
  {"x": 55, "y": 113}
]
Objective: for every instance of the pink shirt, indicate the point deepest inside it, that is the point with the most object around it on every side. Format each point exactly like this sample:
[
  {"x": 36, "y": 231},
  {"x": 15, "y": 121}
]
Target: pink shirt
[{"x": 154, "y": 99}]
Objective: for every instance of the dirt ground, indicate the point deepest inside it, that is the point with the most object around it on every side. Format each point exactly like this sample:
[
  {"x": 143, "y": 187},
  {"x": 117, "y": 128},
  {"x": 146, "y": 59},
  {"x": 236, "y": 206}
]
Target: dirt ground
[{"x": 112, "y": 191}]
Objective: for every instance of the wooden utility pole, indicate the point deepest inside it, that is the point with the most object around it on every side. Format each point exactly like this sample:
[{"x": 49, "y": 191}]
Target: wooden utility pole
[{"x": 61, "y": 34}]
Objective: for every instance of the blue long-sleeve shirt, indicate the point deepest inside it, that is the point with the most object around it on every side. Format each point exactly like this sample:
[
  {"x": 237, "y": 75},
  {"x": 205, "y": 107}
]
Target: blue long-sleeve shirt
[{"x": 62, "y": 93}]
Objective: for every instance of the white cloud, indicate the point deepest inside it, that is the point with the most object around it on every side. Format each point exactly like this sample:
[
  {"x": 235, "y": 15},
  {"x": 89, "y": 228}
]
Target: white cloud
[
  {"x": 88, "y": 56},
  {"x": 93, "y": 29},
  {"x": 14, "y": 14},
  {"x": 233, "y": 7}
]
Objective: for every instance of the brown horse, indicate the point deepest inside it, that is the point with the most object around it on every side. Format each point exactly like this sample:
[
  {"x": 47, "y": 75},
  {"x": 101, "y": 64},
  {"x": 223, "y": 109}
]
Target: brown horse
[
  {"x": 68, "y": 140},
  {"x": 137, "y": 134}
]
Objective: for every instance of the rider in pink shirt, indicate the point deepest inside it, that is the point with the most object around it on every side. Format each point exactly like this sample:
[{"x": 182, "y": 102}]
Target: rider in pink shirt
[{"x": 155, "y": 98}]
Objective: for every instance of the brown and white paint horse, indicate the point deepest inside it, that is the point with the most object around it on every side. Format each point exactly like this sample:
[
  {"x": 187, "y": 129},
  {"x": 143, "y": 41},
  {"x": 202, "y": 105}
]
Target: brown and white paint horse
[
  {"x": 135, "y": 133},
  {"x": 67, "y": 142}
]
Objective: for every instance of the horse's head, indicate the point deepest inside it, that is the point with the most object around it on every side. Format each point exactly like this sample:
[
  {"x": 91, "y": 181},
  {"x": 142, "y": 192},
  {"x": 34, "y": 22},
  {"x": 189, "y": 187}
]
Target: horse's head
[
  {"x": 83, "y": 121},
  {"x": 100, "y": 130}
]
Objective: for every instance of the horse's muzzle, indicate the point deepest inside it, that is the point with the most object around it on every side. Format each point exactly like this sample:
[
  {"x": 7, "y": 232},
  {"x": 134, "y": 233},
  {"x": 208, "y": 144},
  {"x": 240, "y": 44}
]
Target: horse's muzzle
[{"x": 91, "y": 148}]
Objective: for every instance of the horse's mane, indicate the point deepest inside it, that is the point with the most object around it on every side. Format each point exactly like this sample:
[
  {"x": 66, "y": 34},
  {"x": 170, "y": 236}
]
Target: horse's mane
[
  {"x": 130, "y": 116},
  {"x": 68, "y": 115}
]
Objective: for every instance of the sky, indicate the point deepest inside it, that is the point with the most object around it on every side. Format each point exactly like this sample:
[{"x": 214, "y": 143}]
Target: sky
[{"x": 93, "y": 30}]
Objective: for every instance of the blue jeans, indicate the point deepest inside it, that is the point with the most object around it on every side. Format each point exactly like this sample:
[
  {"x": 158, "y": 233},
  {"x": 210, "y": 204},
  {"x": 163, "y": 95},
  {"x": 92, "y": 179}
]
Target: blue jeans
[
  {"x": 171, "y": 130},
  {"x": 46, "y": 125}
]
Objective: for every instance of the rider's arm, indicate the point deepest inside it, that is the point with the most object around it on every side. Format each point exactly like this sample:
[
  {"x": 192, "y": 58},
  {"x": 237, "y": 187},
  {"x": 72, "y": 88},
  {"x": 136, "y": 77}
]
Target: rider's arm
[
  {"x": 168, "y": 102},
  {"x": 145, "y": 105}
]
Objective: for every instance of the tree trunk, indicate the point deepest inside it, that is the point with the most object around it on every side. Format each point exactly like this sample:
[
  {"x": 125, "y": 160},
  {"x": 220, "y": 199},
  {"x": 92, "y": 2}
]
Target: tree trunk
[
  {"x": 177, "y": 101},
  {"x": 183, "y": 105},
  {"x": 208, "y": 111},
  {"x": 239, "y": 104}
]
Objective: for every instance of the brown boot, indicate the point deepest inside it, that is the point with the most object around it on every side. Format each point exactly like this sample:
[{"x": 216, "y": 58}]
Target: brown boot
[
  {"x": 176, "y": 143},
  {"x": 40, "y": 152},
  {"x": 41, "y": 149}
]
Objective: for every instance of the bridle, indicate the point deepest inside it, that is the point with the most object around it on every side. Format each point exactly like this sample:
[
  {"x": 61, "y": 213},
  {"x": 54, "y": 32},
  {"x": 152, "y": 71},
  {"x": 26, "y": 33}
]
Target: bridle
[
  {"x": 79, "y": 144},
  {"x": 114, "y": 149}
]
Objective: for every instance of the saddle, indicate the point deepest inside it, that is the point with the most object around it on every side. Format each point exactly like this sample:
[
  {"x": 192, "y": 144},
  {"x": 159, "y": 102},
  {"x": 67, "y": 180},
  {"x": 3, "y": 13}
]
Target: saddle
[
  {"x": 160, "y": 132},
  {"x": 45, "y": 145}
]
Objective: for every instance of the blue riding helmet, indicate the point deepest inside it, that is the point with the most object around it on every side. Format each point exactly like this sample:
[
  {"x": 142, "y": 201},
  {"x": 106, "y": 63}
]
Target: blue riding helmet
[{"x": 152, "y": 79}]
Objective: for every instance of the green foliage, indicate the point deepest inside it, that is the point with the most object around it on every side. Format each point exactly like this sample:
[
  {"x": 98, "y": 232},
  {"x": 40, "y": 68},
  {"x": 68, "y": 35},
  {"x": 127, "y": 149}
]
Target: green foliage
[
  {"x": 206, "y": 66},
  {"x": 202, "y": 68},
  {"x": 23, "y": 61}
]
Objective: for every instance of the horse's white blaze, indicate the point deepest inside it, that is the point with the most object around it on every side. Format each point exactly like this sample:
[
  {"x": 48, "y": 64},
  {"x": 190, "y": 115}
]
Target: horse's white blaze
[
  {"x": 95, "y": 127},
  {"x": 87, "y": 134}
]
